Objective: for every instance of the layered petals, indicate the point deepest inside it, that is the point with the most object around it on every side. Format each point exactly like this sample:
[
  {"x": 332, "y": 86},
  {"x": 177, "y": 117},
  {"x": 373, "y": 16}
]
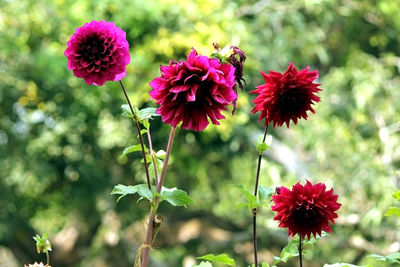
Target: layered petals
[
  {"x": 98, "y": 52},
  {"x": 194, "y": 91},
  {"x": 286, "y": 97},
  {"x": 305, "y": 210}
]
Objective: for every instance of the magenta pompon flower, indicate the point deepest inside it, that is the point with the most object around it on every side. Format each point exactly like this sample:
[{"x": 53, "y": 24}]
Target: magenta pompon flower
[
  {"x": 98, "y": 52},
  {"x": 194, "y": 91},
  {"x": 305, "y": 210},
  {"x": 285, "y": 97}
]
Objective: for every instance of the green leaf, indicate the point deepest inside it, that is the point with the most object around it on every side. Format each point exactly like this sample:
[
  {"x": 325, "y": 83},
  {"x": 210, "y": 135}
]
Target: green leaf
[
  {"x": 222, "y": 258},
  {"x": 131, "y": 149},
  {"x": 176, "y": 197},
  {"x": 396, "y": 195},
  {"x": 394, "y": 257},
  {"x": 143, "y": 131},
  {"x": 161, "y": 154},
  {"x": 42, "y": 243},
  {"x": 140, "y": 189},
  {"x": 251, "y": 199},
  {"x": 126, "y": 111},
  {"x": 204, "y": 264},
  {"x": 391, "y": 258},
  {"x": 260, "y": 145},
  {"x": 393, "y": 211},
  {"x": 242, "y": 205},
  {"x": 288, "y": 252},
  {"x": 146, "y": 124},
  {"x": 147, "y": 113},
  {"x": 265, "y": 193}
]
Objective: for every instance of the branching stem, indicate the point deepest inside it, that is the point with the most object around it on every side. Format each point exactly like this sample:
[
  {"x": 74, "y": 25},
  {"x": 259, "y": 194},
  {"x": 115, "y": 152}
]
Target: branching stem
[
  {"x": 150, "y": 224},
  {"x": 136, "y": 120}
]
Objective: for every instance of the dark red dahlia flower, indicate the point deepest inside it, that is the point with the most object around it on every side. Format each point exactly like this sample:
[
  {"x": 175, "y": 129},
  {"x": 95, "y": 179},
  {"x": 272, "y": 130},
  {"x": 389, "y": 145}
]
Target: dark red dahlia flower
[
  {"x": 98, "y": 52},
  {"x": 287, "y": 96},
  {"x": 194, "y": 90},
  {"x": 305, "y": 210}
]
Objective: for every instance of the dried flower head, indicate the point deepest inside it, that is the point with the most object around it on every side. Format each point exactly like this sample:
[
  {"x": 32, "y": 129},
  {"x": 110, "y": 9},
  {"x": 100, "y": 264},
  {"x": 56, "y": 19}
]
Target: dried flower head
[
  {"x": 98, "y": 52},
  {"x": 286, "y": 96},
  {"x": 305, "y": 210},
  {"x": 194, "y": 90}
]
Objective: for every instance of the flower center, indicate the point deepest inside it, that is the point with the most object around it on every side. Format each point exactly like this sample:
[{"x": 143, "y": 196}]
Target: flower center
[
  {"x": 306, "y": 215},
  {"x": 96, "y": 51},
  {"x": 291, "y": 100}
]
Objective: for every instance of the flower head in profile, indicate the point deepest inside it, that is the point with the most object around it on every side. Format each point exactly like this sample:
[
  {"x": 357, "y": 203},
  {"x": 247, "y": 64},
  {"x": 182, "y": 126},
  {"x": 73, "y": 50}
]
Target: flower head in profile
[
  {"x": 305, "y": 210},
  {"x": 194, "y": 91},
  {"x": 288, "y": 96},
  {"x": 98, "y": 52}
]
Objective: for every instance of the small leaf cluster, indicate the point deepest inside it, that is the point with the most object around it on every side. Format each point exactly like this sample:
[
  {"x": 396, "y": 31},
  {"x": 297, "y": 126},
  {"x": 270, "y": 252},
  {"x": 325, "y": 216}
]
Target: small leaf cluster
[
  {"x": 173, "y": 196},
  {"x": 42, "y": 243},
  {"x": 264, "y": 196}
]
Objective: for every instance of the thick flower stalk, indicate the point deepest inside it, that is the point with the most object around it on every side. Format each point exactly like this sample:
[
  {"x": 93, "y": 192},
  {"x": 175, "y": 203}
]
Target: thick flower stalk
[
  {"x": 194, "y": 91},
  {"x": 286, "y": 97},
  {"x": 306, "y": 210},
  {"x": 98, "y": 52}
]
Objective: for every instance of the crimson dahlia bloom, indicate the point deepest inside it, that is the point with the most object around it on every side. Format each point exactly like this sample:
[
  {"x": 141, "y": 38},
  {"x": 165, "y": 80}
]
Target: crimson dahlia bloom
[
  {"x": 305, "y": 210},
  {"x": 98, "y": 52},
  {"x": 286, "y": 96},
  {"x": 194, "y": 90}
]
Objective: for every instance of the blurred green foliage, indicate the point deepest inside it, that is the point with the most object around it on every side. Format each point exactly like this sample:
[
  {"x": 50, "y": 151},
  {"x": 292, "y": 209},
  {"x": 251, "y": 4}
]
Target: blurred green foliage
[{"x": 60, "y": 140}]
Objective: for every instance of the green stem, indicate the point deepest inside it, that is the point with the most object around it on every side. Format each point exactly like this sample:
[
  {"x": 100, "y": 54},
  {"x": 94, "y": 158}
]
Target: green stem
[
  {"x": 136, "y": 120},
  {"x": 255, "y": 210},
  {"x": 150, "y": 224},
  {"x": 48, "y": 257},
  {"x": 153, "y": 156}
]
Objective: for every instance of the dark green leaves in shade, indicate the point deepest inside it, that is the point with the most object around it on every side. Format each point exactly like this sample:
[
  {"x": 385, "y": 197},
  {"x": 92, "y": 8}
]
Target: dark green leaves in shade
[{"x": 221, "y": 258}]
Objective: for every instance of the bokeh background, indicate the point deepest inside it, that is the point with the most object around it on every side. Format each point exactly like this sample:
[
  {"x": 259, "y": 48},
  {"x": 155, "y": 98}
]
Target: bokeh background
[{"x": 61, "y": 140}]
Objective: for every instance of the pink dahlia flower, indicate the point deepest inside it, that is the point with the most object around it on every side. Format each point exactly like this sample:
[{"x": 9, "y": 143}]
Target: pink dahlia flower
[
  {"x": 194, "y": 90},
  {"x": 305, "y": 210},
  {"x": 286, "y": 96},
  {"x": 98, "y": 52}
]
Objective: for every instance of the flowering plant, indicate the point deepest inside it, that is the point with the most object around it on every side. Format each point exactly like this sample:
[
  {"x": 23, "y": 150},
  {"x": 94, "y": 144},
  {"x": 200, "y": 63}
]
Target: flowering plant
[{"x": 190, "y": 93}]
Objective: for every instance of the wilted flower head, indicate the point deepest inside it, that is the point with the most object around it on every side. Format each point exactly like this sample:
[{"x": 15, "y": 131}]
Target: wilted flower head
[
  {"x": 305, "y": 210},
  {"x": 98, "y": 52},
  {"x": 194, "y": 90},
  {"x": 286, "y": 96}
]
